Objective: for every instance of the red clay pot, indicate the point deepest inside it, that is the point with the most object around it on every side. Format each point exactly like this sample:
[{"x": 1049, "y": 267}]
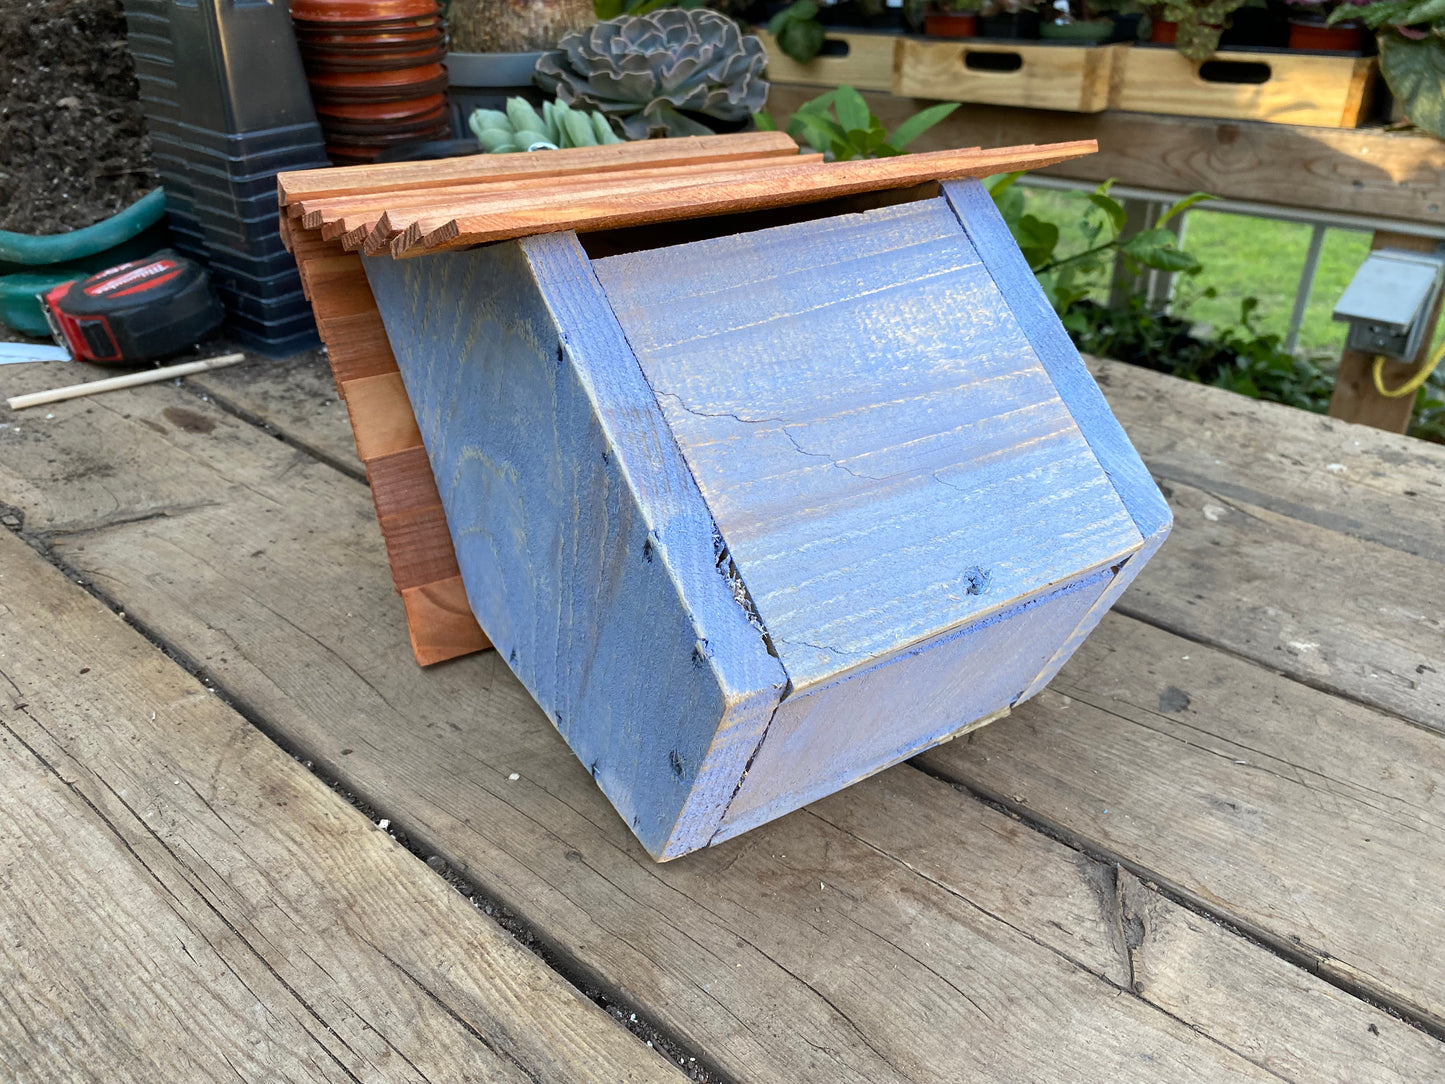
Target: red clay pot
[
  {"x": 1314, "y": 36},
  {"x": 950, "y": 24},
  {"x": 1163, "y": 32},
  {"x": 361, "y": 11}
]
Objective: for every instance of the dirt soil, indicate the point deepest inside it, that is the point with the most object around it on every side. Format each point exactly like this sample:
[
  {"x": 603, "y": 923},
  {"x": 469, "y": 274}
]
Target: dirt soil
[{"x": 73, "y": 148}]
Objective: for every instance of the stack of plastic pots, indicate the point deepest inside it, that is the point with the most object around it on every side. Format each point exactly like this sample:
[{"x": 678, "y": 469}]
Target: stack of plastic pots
[
  {"x": 375, "y": 72},
  {"x": 227, "y": 109}
]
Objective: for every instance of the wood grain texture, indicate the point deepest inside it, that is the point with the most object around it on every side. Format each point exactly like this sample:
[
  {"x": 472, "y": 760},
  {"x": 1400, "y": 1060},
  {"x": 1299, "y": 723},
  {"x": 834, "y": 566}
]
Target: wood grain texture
[
  {"x": 1370, "y": 485},
  {"x": 302, "y": 185},
  {"x": 867, "y": 63},
  {"x": 784, "y": 186},
  {"x": 581, "y": 537},
  {"x": 871, "y": 459},
  {"x": 1075, "y": 78},
  {"x": 408, "y": 509},
  {"x": 186, "y": 902},
  {"x": 1308, "y": 820},
  {"x": 838, "y": 982},
  {"x": 338, "y": 216},
  {"x": 1368, "y": 171},
  {"x": 1106, "y": 438},
  {"x": 1300, "y": 88}
]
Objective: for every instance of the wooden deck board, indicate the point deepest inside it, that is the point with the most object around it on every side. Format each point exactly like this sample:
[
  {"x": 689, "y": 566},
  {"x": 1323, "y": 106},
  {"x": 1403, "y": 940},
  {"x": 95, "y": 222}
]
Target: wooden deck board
[
  {"x": 186, "y": 902},
  {"x": 730, "y": 949}
]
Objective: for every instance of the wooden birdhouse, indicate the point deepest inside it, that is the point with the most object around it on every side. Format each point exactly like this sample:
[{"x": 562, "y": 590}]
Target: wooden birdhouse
[{"x": 758, "y": 506}]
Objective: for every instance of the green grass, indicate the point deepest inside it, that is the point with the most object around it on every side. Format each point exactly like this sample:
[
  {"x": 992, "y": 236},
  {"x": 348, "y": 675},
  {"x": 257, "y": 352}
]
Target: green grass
[{"x": 1243, "y": 257}]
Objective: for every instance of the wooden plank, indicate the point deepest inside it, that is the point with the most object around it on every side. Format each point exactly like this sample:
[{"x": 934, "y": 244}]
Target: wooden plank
[
  {"x": 381, "y": 416},
  {"x": 848, "y": 965},
  {"x": 1298, "y": 88},
  {"x": 785, "y": 186},
  {"x": 1354, "y": 398},
  {"x": 865, "y": 62},
  {"x": 1366, "y": 172},
  {"x": 837, "y": 414},
  {"x": 1075, "y": 78},
  {"x": 1352, "y": 617},
  {"x": 1361, "y": 482},
  {"x": 187, "y": 902},
  {"x": 364, "y": 367},
  {"x": 588, "y": 541},
  {"x": 991, "y": 238},
  {"x": 338, "y": 215},
  {"x": 1310, "y": 821},
  {"x": 397, "y": 176}
]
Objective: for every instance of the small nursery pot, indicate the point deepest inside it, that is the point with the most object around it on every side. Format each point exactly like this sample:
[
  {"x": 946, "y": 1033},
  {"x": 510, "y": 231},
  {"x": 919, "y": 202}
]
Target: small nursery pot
[
  {"x": 1310, "y": 33},
  {"x": 950, "y": 24},
  {"x": 1020, "y": 25}
]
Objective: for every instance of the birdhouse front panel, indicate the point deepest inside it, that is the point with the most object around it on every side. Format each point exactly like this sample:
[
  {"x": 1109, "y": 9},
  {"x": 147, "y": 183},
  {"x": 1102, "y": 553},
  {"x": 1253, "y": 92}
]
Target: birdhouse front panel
[{"x": 755, "y": 516}]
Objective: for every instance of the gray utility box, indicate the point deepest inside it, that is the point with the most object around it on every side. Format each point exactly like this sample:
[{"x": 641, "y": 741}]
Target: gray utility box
[{"x": 1388, "y": 302}]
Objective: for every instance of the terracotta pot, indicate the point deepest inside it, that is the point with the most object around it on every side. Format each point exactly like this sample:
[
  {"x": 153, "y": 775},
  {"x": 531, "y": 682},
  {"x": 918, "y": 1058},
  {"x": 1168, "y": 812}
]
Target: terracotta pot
[
  {"x": 1163, "y": 32},
  {"x": 406, "y": 110},
  {"x": 352, "y": 11},
  {"x": 375, "y": 86},
  {"x": 370, "y": 62},
  {"x": 1314, "y": 36},
  {"x": 950, "y": 24}
]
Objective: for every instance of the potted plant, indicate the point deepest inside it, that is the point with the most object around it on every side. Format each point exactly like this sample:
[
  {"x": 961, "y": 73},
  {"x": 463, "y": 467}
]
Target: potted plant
[
  {"x": 671, "y": 72},
  {"x": 1008, "y": 19},
  {"x": 1199, "y": 24},
  {"x": 952, "y": 18},
  {"x": 1410, "y": 35},
  {"x": 1078, "y": 21},
  {"x": 1311, "y": 30}
]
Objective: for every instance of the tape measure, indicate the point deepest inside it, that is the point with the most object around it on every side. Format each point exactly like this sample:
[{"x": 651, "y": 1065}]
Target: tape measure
[{"x": 134, "y": 312}]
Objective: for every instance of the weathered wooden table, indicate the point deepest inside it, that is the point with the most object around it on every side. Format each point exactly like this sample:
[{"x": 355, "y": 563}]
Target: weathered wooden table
[{"x": 1214, "y": 849}]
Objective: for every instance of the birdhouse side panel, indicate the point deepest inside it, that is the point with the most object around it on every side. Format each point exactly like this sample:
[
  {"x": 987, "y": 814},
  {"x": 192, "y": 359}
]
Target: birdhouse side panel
[
  {"x": 884, "y": 453},
  {"x": 1128, "y": 474},
  {"x": 831, "y": 737},
  {"x": 571, "y": 523}
]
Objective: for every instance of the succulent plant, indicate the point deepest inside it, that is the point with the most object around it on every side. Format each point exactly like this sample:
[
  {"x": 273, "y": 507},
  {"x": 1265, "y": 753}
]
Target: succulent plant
[
  {"x": 522, "y": 128},
  {"x": 655, "y": 72}
]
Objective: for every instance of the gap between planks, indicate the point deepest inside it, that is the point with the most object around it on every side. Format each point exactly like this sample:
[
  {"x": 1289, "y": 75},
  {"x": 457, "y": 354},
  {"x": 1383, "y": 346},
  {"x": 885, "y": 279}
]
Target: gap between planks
[{"x": 578, "y": 795}]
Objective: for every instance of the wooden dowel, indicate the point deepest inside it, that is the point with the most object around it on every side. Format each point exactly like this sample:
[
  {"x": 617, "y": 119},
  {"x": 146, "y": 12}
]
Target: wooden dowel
[{"x": 130, "y": 380}]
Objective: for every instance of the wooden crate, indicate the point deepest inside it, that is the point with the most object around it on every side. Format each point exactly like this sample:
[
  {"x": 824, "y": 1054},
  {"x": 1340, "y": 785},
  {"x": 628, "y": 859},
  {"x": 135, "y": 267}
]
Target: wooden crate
[
  {"x": 868, "y": 64},
  {"x": 1072, "y": 78},
  {"x": 1299, "y": 88}
]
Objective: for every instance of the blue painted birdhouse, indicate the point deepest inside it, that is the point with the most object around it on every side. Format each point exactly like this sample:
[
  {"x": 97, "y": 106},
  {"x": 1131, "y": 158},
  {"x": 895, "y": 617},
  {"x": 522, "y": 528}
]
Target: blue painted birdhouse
[{"x": 757, "y": 515}]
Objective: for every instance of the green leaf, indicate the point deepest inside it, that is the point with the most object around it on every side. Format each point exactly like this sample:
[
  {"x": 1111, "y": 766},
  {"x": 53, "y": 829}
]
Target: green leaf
[
  {"x": 919, "y": 123},
  {"x": 842, "y": 151},
  {"x": 801, "y": 39},
  {"x": 579, "y": 129},
  {"x": 1036, "y": 239},
  {"x": 1415, "y": 71},
  {"x": 607, "y": 9},
  {"x": 820, "y": 104},
  {"x": 1426, "y": 12},
  {"x": 818, "y": 131},
  {"x": 1010, "y": 203},
  {"x": 851, "y": 108},
  {"x": 602, "y": 130},
  {"x": 523, "y": 116},
  {"x": 1000, "y": 183},
  {"x": 1184, "y": 205},
  {"x": 495, "y": 141},
  {"x": 1111, "y": 207},
  {"x": 763, "y": 122}
]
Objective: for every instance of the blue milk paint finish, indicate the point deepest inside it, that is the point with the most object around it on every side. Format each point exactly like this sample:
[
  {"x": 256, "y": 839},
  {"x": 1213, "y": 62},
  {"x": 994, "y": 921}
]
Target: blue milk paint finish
[
  {"x": 863, "y": 441},
  {"x": 1128, "y": 474},
  {"x": 824, "y": 740},
  {"x": 587, "y": 552},
  {"x": 867, "y": 423}
]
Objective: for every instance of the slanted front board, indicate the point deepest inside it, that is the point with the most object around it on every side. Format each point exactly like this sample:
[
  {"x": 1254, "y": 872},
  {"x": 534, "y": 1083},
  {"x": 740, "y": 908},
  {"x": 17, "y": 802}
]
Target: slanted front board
[{"x": 756, "y": 516}]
